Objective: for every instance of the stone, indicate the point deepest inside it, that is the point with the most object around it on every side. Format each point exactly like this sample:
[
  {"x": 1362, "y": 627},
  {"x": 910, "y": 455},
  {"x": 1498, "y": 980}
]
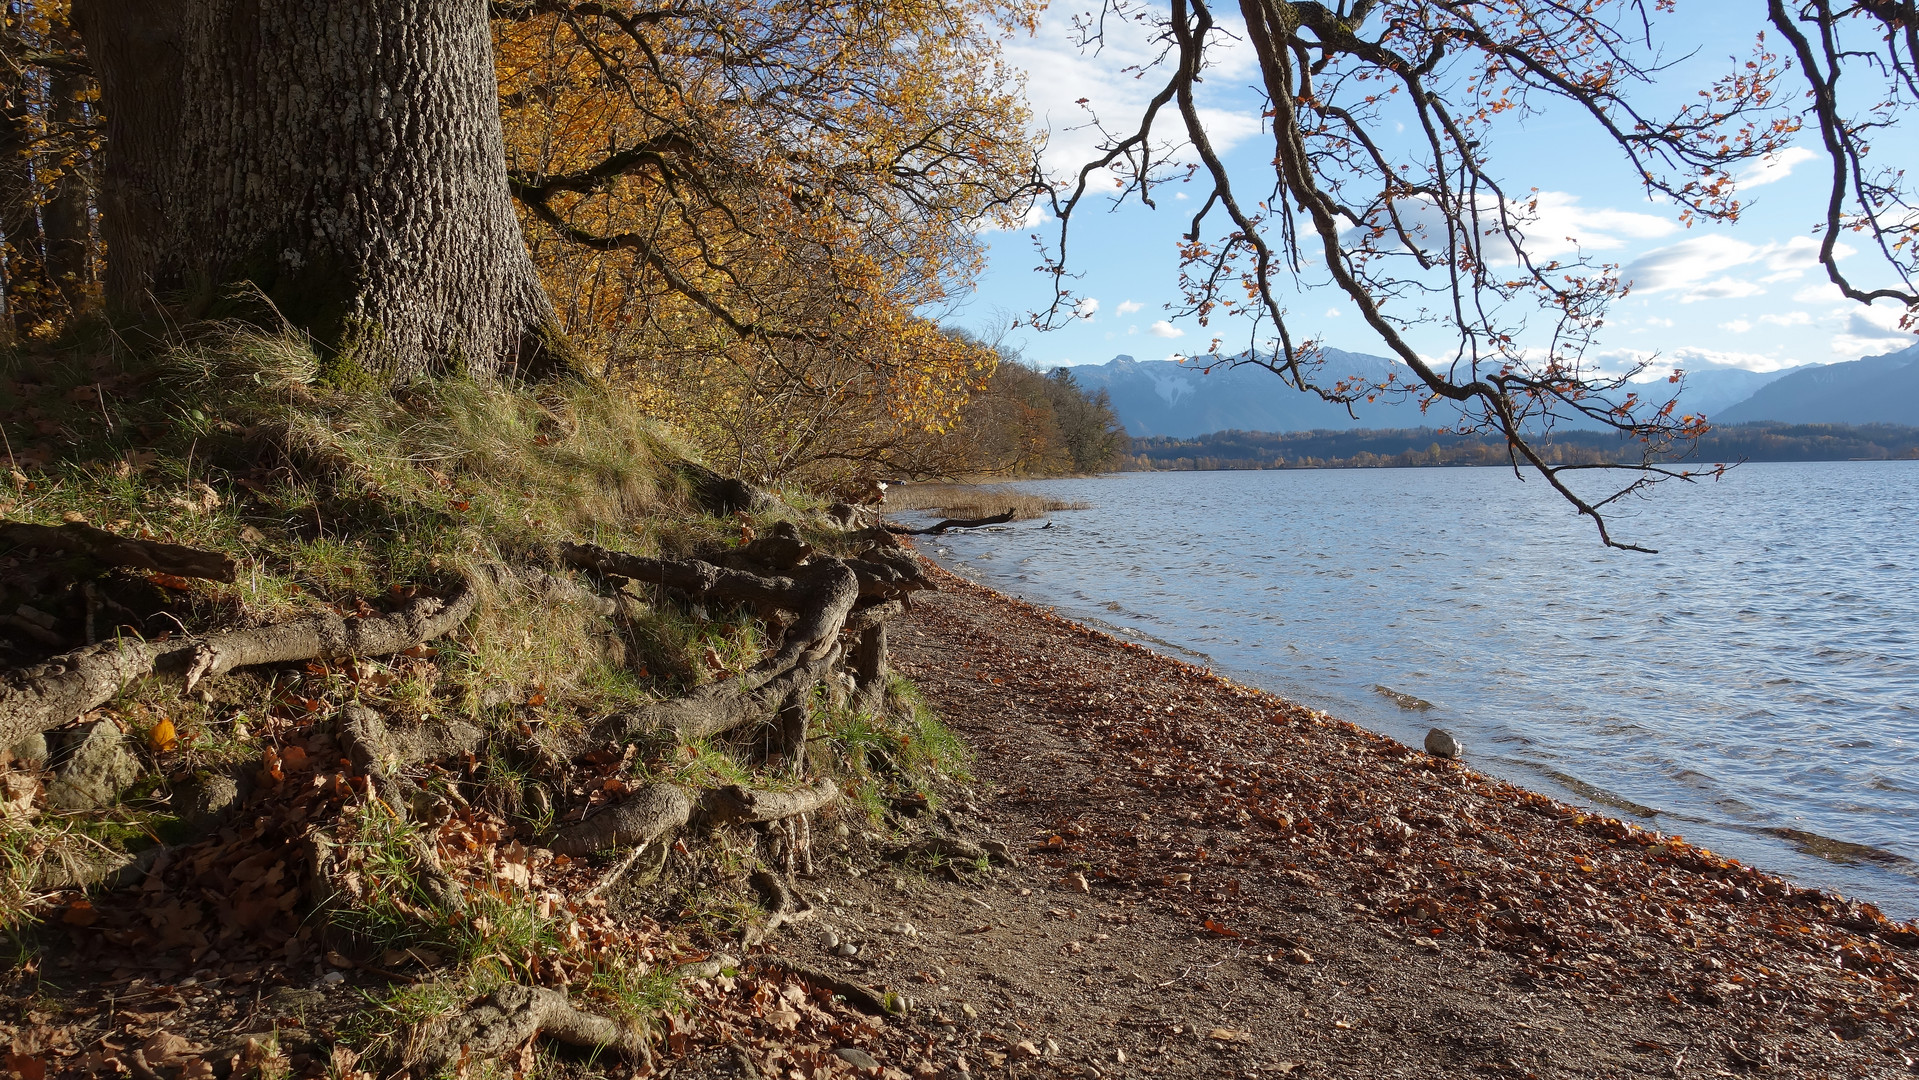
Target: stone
[
  {"x": 1025, "y": 1050},
  {"x": 847, "y": 948},
  {"x": 31, "y": 751},
  {"x": 206, "y": 799},
  {"x": 968, "y": 1011},
  {"x": 857, "y": 1058},
  {"x": 101, "y": 768},
  {"x": 829, "y": 940},
  {"x": 1441, "y": 744},
  {"x": 1051, "y": 1048}
]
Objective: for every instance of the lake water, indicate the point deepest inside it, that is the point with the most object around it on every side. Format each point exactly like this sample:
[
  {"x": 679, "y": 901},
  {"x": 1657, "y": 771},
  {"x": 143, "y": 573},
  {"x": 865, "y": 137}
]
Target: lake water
[{"x": 1753, "y": 687}]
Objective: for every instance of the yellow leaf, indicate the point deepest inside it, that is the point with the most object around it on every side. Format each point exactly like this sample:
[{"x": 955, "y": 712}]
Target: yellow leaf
[{"x": 162, "y": 737}]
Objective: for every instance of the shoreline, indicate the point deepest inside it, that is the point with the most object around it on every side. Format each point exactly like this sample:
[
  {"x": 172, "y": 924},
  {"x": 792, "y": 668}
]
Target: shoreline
[
  {"x": 1715, "y": 694},
  {"x": 1410, "y": 848}
]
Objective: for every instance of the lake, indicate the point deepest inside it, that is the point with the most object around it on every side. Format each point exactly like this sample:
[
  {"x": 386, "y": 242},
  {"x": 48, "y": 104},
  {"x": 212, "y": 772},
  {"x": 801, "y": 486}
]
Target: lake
[{"x": 1753, "y": 687}]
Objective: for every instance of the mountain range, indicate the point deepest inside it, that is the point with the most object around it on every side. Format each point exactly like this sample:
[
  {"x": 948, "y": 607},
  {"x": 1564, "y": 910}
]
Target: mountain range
[{"x": 1185, "y": 399}]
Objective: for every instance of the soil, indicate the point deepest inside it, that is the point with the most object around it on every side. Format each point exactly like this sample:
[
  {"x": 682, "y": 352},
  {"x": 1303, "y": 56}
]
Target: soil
[
  {"x": 1211, "y": 881},
  {"x": 1218, "y": 883}
]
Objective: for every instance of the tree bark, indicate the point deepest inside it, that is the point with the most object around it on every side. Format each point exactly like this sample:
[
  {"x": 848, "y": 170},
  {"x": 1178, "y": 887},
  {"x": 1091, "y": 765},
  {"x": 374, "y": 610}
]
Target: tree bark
[
  {"x": 342, "y": 157},
  {"x": 66, "y": 218}
]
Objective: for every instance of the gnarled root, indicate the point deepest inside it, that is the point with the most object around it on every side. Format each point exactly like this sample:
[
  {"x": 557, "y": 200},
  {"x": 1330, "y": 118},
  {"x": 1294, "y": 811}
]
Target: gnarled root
[
  {"x": 510, "y": 1016},
  {"x": 362, "y": 735},
  {"x": 47, "y": 695},
  {"x": 638, "y": 820}
]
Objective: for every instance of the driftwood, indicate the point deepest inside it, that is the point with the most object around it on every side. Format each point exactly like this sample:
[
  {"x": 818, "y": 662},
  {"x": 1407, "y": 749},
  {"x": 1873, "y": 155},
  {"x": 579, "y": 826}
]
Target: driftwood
[
  {"x": 101, "y": 546},
  {"x": 510, "y": 1016},
  {"x": 941, "y": 526},
  {"x": 49, "y": 694}
]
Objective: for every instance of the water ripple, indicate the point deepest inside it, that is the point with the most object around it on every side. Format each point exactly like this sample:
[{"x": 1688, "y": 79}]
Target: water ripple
[{"x": 1755, "y": 682}]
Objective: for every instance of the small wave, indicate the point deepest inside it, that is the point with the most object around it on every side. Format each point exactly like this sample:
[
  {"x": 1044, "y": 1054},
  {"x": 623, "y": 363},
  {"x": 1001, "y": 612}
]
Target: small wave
[
  {"x": 1839, "y": 851},
  {"x": 1600, "y": 795}
]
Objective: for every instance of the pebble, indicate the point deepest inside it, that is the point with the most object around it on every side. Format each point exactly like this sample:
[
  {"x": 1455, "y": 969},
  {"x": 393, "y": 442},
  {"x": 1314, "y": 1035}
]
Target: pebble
[
  {"x": 829, "y": 940},
  {"x": 1052, "y": 1047},
  {"x": 1025, "y": 1049},
  {"x": 1300, "y": 956},
  {"x": 903, "y": 930},
  {"x": 855, "y": 1057},
  {"x": 968, "y": 1011},
  {"x": 1441, "y": 744},
  {"x": 334, "y": 978},
  {"x": 847, "y": 948}
]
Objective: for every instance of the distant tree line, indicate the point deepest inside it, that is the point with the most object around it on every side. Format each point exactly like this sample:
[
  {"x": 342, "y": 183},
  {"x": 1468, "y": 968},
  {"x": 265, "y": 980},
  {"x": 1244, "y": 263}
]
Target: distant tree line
[
  {"x": 1023, "y": 422},
  {"x": 1416, "y": 447}
]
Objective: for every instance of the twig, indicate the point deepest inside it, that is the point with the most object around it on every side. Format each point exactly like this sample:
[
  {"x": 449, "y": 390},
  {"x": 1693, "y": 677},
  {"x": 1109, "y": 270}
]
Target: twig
[{"x": 607, "y": 879}]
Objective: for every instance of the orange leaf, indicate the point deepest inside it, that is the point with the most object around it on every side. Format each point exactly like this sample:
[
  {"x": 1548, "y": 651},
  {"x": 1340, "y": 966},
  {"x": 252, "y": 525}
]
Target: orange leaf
[
  {"x": 1219, "y": 929},
  {"x": 162, "y": 737}
]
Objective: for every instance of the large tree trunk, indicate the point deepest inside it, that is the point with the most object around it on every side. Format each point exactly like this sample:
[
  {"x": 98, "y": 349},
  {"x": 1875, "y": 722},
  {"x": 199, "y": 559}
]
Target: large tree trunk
[{"x": 344, "y": 156}]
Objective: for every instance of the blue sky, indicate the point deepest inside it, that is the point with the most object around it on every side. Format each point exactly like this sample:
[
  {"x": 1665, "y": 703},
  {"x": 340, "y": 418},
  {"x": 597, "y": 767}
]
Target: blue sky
[{"x": 1749, "y": 295}]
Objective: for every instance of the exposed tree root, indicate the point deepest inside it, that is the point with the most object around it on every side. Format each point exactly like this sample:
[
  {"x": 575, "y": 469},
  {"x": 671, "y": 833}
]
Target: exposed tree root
[
  {"x": 723, "y": 706},
  {"x": 46, "y": 695},
  {"x": 653, "y": 811},
  {"x": 640, "y": 819},
  {"x": 867, "y": 1001},
  {"x": 957, "y": 849},
  {"x": 735, "y": 805},
  {"x": 509, "y": 1017},
  {"x": 108, "y": 549},
  {"x": 363, "y": 736},
  {"x": 939, "y": 527}
]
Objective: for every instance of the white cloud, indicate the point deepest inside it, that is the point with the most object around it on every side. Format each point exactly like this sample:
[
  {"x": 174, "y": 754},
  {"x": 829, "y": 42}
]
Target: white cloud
[
  {"x": 1068, "y": 87},
  {"x": 1689, "y": 263},
  {"x": 1332, "y": 313},
  {"x": 1870, "y": 331},
  {"x": 1165, "y": 329},
  {"x": 1774, "y": 167},
  {"x": 1789, "y": 318},
  {"x": 1697, "y": 267},
  {"x": 1654, "y": 320},
  {"x": 1086, "y": 308},
  {"x": 1725, "y": 288},
  {"x": 1127, "y": 307},
  {"x": 1551, "y": 223},
  {"x": 1737, "y": 326}
]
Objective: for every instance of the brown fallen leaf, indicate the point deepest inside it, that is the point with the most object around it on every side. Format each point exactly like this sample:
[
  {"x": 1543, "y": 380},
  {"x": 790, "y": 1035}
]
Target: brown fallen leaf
[{"x": 1230, "y": 1035}]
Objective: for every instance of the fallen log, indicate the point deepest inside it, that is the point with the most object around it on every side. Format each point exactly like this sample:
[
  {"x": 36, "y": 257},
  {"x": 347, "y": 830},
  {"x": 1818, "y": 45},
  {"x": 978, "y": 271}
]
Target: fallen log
[
  {"x": 46, "y": 695},
  {"x": 941, "y": 526},
  {"x": 110, "y": 549}
]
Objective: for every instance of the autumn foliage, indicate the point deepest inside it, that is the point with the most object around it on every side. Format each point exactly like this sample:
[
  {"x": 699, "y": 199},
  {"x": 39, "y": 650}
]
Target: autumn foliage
[{"x": 745, "y": 210}]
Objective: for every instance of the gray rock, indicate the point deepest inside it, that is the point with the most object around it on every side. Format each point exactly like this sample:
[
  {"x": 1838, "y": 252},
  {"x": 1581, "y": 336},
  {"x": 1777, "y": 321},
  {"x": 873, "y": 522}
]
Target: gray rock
[
  {"x": 207, "y": 799},
  {"x": 101, "y": 768},
  {"x": 31, "y": 750},
  {"x": 847, "y": 948},
  {"x": 1443, "y": 745},
  {"x": 855, "y": 1057}
]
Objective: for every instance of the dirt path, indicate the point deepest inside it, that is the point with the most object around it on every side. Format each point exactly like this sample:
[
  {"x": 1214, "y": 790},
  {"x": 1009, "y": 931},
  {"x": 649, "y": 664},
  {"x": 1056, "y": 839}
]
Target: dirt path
[{"x": 1217, "y": 883}]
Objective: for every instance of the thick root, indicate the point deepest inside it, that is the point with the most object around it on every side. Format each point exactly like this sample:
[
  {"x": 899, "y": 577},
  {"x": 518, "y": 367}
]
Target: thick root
[
  {"x": 110, "y": 550},
  {"x": 735, "y": 805},
  {"x": 47, "y": 695},
  {"x": 510, "y": 1016},
  {"x": 640, "y": 819}
]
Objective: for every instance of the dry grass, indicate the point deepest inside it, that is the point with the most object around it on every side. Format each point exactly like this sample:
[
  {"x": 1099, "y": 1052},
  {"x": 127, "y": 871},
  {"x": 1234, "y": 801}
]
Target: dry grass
[{"x": 975, "y": 501}]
